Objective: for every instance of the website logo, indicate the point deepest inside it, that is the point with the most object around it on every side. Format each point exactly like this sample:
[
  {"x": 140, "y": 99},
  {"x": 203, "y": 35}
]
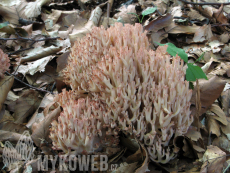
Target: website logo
[{"x": 22, "y": 152}]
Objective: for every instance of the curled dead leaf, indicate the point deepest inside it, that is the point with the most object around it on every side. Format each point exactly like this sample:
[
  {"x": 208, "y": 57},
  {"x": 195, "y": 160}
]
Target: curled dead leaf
[
  {"x": 221, "y": 117},
  {"x": 212, "y": 125},
  {"x": 210, "y": 90},
  {"x": 213, "y": 160},
  {"x": 41, "y": 130}
]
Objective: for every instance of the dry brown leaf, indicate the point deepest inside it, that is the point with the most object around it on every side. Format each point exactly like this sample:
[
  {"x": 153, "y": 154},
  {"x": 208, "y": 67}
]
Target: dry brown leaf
[
  {"x": 9, "y": 13},
  {"x": 51, "y": 19},
  {"x": 225, "y": 101},
  {"x": 125, "y": 15},
  {"x": 38, "y": 116},
  {"x": 41, "y": 129},
  {"x": 10, "y": 2},
  {"x": 44, "y": 78},
  {"x": 221, "y": 117},
  {"x": 203, "y": 34},
  {"x": 9, "y": 136},
  {"x": 13, "y": 127},
  {"x": 219, "y": 15},
  {"x": 68, "y": 19},
  {"x": 40, "y": 53},
  {"x": 5, "y": 116},
  {"x": 11, "y": 96},
  {"x": 226, "y": 51},
  {"x": 65, "y": 34},
  {"x": 176, "y": 11},
  {"x": 28, "y": 29},
  {"x": 210, "y": 90},
  {"x": 226, "y": 130},
  {"x": 158, "y": 36},
  {"x": 5, "y": 86},
  {"x": 222, "y": 142},
  {"x": 162, "y": 6},
  {"x": 209, "y": 66},
  {"x": 224, "y": 37},
  {"x": 188, "y": 152},
  {"x": 84, "y": 29},
  {"x": 180, "y": 29},
  {"x": 207, "y": 11},
  {"x": 193, "y": 134},
  {"x": 35, "y": 66},
  {"x": 213, "y": 126},
  {"x": 193, "y": 14},
  {"x": 62, "y": 61},
  {"x": 159, "y": 23},
  {"x": 26, "y": 105},
  {"x": 215, "y": 46},
  {"x": 33, "y": 9},
  {"x": 198, "y": 149},
  {"x": 219, "y": 71},
  {"x": 105, "y": 21},
  {"x": 213, "y": 160}
]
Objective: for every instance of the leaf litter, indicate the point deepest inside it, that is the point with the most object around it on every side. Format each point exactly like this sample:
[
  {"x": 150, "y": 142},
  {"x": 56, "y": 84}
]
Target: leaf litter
[{"x": 38, "y": 35}]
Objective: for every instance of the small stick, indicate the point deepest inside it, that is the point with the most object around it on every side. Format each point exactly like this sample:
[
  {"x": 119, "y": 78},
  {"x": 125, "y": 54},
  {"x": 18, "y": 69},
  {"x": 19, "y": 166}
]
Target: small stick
[
  {"x": 38, "y": 89},
  {"x": 29, "y": 39},
  {"x": 18, "y": 51},
  {"x": 198, "y": 104},
  {"x": 205, "y": 3}
]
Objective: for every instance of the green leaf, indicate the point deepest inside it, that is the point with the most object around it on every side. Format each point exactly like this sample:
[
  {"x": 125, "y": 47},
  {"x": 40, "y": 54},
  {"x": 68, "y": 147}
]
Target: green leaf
[
  {"x": 201, "y": 57},
  {"x": 191, "y": 86},
  {"x": 148, "y": 11},
  {"x": 173, "y": 50},
  {"x": 3, "y": 24},
  {"x": 194, "y": 72}
]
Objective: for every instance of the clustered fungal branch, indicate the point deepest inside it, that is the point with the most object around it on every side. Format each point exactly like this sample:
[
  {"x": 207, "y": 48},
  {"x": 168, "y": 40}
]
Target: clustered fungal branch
[{"x": 136, "y": 89}]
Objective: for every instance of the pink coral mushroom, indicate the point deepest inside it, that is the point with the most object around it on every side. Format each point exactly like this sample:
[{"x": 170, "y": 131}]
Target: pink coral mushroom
[
  {"x": 144, "y": 90},
  {"x": 82, "y": 127},
  {"x": 4, "y": 63}
]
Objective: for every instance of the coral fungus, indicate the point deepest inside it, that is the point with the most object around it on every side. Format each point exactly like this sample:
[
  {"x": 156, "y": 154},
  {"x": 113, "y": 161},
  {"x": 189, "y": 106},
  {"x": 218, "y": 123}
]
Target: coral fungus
[
  {"x": 142, "y": 91},
  {"x": 82, "y": 126},
  {"x": 4, "y": 63}
]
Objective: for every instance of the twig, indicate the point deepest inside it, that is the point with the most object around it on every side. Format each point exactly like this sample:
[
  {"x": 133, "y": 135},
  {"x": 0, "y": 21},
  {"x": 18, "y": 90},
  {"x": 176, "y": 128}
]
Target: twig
[
  {"x": 38, "y": 89},
  {"x": 198, "y": 104},
  {"x": 220, "y": 24},
  {"x": 205, "y": 3},
  {"x": 18, "y": 51},
  {"x": 29, "y": 39}
]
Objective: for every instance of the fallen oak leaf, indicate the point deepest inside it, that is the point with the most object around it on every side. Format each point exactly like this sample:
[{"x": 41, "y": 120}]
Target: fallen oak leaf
[
  {"x": 26, "y": 105},
  {"x": 40, "y": 53},
  {"x": 159, "y": 23},
  {"x": 41, "y": 130},
  {"x": 220, "y": 115},
  {"x": 210, "y": 90}
]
